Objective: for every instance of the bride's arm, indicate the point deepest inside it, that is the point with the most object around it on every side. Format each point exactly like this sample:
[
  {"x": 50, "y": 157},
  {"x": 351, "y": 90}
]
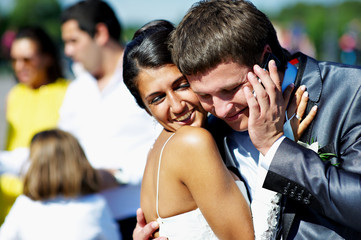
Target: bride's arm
[{"x": 212, "y": 186}]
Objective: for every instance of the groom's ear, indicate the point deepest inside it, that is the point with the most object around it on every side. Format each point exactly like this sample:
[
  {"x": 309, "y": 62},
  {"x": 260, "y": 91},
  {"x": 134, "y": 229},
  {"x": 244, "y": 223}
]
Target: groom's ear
[{"x": 266, "y": 50}]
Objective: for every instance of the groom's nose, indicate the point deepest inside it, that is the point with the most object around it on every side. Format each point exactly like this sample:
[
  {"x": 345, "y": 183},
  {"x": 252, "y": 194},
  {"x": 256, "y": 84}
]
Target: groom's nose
[{"x": 221, "y": 107}]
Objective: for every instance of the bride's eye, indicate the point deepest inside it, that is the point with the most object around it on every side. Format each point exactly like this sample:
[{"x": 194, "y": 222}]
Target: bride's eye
[
  {"x": 183, "y": 85},
  {"x": 156, "y": 99}
]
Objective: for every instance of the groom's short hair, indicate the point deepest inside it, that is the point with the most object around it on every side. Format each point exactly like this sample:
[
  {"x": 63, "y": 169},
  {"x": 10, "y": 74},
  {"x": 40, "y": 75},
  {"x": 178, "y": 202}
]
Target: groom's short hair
[{"x": 213, "y": 32}]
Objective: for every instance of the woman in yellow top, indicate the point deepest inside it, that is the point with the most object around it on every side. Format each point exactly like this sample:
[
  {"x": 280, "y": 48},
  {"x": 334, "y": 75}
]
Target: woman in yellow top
[{"x": 32, "y": 104}]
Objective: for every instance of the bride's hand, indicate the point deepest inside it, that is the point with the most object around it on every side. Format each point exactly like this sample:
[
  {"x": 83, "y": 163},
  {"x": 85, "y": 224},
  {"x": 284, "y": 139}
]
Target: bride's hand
[{"x": 297, "y": 109}]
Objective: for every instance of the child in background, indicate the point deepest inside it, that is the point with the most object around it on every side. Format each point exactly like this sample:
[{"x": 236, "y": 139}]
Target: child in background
[{"x": 59, "y": 199}]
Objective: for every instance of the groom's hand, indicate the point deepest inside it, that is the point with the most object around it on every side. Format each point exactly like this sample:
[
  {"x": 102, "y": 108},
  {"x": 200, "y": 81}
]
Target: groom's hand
[
  {"x": 144, "y": 231},
  {"x": 266, "y": 107}
]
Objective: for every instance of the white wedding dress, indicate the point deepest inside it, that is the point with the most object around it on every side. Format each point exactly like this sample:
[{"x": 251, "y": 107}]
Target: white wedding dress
[{"x": 188, "y": 225}]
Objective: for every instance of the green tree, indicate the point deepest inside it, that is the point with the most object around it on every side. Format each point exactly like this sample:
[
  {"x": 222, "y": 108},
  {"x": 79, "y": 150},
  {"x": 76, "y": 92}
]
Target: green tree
[
  {"x": 45, "y": 13},
  {"x": 319, "y": 20}
]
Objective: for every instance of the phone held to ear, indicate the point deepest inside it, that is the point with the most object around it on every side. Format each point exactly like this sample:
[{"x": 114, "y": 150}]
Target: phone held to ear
[
  {"x": 287, "y": 78},
  {"x": 268, "y": 57},
  {"x": 290, "y": 74}
]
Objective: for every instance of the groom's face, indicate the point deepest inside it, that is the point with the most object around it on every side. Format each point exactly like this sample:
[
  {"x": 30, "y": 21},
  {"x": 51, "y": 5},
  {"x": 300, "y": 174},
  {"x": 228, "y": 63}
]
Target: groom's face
[{"x": 220, "y": 91}]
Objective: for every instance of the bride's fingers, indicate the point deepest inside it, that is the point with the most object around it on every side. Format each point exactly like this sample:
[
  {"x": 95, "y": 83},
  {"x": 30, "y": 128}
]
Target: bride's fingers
[
  {"x": 286, "y": 96},
  {"x": 301, "y": 109},
  {"x": 299, "y": 93},
  {"x": 288, "y": 92},
  {"x": 307, "y": 121},
  {"x": 295, "y": 102}
]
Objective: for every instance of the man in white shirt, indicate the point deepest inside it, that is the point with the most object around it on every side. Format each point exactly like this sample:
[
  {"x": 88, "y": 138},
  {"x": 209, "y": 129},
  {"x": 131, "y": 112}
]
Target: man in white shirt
[{"x": 99, "y": 110}]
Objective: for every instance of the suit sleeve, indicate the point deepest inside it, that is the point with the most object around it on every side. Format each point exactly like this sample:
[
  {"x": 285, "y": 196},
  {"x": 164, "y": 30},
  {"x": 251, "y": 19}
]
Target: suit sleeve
[{"x": 301, "y": 175}]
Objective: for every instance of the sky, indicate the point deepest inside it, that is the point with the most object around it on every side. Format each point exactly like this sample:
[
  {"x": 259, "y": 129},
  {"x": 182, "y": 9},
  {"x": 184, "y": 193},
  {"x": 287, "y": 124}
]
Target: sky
[
  {"x": 138, "y": 12},
  {"x": 141, "y": 11}
]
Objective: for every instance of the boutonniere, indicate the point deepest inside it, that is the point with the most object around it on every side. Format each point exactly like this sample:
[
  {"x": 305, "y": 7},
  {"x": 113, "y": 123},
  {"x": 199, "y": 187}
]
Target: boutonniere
[{"x": 315, "y": 147}]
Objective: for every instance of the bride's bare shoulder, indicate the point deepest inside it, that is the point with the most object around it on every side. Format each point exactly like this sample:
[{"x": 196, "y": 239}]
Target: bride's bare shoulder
[
  {"x": 189, "y": 133},
  {"x": 193, "y": 138}
]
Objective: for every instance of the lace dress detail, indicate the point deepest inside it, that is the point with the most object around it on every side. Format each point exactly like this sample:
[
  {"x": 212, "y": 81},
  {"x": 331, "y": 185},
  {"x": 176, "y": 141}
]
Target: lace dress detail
[{"x": 266, "y": 213}]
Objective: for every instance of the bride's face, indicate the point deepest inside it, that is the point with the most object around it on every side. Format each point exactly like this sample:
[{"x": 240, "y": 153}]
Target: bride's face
[{"x": 168, "y": 98}]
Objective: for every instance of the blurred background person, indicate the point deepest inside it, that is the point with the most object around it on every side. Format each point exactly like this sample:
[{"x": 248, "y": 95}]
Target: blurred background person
[
  {"x": 98, "y": 109},
  {"x": 295, "y": 38},
  {"x": 32, "y": 104},
  {"x": 60, "y": 199}
]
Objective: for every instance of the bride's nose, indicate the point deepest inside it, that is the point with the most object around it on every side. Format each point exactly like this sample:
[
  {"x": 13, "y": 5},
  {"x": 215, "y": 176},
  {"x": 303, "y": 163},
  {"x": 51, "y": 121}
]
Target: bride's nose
[{"x": 176, "y": 103}]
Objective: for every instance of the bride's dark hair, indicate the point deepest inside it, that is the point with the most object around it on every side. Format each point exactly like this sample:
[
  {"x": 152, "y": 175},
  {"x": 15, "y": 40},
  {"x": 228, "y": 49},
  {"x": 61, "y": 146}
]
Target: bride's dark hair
[{"x": 148, "y": 49}]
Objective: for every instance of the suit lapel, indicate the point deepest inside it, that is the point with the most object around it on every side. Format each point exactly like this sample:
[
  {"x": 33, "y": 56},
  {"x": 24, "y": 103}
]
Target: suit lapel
[{"x": 314, "y": 90}]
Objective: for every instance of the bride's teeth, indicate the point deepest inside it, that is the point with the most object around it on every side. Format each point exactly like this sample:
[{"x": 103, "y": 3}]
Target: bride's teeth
[{"x": 185, "y": 116}]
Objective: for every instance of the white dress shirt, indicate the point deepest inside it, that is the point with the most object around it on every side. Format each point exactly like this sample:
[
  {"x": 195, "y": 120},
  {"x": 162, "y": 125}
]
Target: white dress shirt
[
  {"x": 253, "y": 167},
  {"x": 83, "y": 218},
  {"x": 114, "y": 132}
]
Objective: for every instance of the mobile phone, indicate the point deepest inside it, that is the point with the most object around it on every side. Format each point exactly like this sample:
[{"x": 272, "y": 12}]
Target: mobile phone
[{"x": 268, "y": 57}]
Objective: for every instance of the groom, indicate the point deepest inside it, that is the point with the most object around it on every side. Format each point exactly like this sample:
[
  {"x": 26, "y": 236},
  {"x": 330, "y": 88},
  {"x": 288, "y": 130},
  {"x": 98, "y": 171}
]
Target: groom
[{"x": 217, "y": 46}]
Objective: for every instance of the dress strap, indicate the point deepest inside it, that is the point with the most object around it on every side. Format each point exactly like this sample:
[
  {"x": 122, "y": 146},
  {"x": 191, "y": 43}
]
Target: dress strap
[{"x": 160, "y": 160}]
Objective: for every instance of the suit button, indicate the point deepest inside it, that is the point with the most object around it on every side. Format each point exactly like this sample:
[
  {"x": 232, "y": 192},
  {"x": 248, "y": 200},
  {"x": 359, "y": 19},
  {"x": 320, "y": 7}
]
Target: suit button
[
  {"x": 292, "y": 193},
  {"x": 306, "y": 200},
  {"x": 299, "y": 195},
  {"x": 285, "y": 189}
]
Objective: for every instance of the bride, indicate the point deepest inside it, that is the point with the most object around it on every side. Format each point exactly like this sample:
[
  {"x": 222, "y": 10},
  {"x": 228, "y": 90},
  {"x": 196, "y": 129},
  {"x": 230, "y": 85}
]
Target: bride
[{"x": 186, "y": 186}]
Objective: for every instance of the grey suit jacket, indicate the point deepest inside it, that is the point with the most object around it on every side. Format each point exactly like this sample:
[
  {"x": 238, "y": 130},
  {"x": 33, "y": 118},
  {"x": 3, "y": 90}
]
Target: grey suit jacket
[{"x": 323, "y": 197}]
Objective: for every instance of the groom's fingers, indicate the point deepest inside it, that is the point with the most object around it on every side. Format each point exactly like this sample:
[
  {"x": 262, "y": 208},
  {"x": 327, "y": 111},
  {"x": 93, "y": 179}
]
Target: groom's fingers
[
  {"x": 253, "y": 106},
  {"x": 140, "y": 218},
  {"x": 272, "y": 86},
  {"x": 144, "y": 231},
  {"x": 275, "y": 77},
  {"x": 260, "y": 92}
]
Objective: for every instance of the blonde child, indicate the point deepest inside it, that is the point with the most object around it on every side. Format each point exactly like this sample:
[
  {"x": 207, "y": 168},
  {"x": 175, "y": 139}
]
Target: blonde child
[{"x": 59, "y": 199}]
